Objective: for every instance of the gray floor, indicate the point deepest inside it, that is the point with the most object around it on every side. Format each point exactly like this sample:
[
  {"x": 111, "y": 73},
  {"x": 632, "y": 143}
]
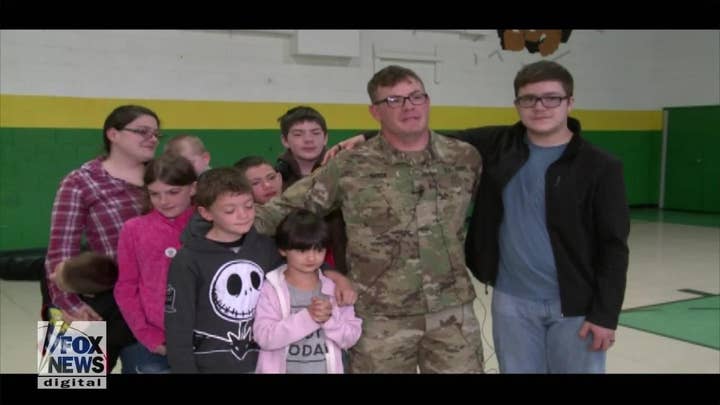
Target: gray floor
[{"x": 664, "y": 258}]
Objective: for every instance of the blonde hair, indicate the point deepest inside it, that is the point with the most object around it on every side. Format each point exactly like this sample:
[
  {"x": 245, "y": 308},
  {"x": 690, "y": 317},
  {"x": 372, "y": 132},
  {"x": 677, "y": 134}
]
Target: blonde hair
[{"x": 175, "y": 144}]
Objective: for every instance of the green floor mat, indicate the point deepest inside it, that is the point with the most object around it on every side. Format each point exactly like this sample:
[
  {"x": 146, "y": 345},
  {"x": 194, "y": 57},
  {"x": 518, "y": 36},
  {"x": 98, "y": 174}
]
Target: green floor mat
[{"x": 696, "y": 320}]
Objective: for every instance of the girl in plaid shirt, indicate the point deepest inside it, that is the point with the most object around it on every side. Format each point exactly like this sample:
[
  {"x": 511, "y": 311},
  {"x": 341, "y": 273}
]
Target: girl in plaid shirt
[{"x": 96, "y": 199}]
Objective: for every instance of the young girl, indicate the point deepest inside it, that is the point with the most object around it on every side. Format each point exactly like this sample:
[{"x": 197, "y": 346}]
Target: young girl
[
  {"x": 147, "y": 245},
  {"x": 298, "y": 325}
]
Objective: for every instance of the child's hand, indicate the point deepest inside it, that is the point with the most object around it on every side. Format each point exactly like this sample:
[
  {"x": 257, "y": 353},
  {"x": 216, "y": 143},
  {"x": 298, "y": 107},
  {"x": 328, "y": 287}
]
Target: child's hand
[
  {"x": 161, "y": 350},
  {"x": 320, "y": 309}
]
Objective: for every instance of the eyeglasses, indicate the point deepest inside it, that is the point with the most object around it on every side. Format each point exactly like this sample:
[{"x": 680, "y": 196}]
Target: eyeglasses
[
  {"x": 146, "y": 133},
  {"x": 530, "y": 101},
  {"x": 398, "y": 101}
]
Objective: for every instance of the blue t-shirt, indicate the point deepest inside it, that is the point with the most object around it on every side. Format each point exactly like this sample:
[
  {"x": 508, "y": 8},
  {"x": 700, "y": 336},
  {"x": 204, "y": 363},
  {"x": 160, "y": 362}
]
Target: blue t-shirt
[{"x": 527, "y": 265}]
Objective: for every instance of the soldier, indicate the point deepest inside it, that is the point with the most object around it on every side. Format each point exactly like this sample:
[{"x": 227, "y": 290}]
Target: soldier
[{"x": 404, "y": 196}]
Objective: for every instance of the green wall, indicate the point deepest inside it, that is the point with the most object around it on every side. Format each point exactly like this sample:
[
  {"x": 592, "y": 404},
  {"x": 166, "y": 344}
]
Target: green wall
[
  {"x": 640, "y": 154},
  {"x": 33, "y": 161},
  {"x": 692, "y": 179}
]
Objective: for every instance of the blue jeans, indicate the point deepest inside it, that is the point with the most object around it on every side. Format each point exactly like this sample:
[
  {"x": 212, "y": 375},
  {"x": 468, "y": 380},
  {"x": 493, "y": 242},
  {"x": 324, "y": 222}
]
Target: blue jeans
[
  {"x": 137, "y": 359},
  {"x": 534, "y": 337}
]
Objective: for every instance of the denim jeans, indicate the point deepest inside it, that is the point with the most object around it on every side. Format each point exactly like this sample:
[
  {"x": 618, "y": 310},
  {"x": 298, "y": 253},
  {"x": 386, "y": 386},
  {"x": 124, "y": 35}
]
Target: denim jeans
[
  {"x": 534, "y": 337},
  {"x": 137, "y": 359}
]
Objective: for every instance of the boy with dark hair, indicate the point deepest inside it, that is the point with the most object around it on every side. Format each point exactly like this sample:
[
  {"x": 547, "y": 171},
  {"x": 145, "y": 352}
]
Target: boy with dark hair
[
  {"x": 215, "y": 279},
  {"x": 265, "y": 182},
  {"x": 549, "y": 230},
  {"x": 304, "y": 134}
]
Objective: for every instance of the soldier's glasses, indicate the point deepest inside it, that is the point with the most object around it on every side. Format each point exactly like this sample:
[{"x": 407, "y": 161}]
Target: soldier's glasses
[{"x": 399, "y": 101}]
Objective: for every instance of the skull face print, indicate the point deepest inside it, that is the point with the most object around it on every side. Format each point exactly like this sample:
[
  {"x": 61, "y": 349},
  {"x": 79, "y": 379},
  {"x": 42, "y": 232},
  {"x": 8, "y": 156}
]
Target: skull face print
[{"x": 235, "y": 289}]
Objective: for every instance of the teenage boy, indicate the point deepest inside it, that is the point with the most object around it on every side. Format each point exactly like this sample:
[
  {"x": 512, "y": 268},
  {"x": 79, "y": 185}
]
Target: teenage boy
[
  {"x": 265, "y": 181},
  {"x": 305, "y": 136}
]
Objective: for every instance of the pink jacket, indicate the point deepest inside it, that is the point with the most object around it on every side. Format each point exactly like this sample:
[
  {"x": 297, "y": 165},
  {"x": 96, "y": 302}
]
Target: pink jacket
[
  {"x": 275, "y": 328},
  {"x": 146, "y": 246}
]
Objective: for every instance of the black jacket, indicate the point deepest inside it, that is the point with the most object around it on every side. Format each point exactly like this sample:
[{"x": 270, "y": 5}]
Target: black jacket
[
  {"x": 289, "y": 168},
  {"x": 210, "y": 303},
  {"x": 587, "y": 218}
]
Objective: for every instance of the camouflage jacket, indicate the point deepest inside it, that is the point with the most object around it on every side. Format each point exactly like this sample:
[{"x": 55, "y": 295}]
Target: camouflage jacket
[{"x": 405, "y": 214}]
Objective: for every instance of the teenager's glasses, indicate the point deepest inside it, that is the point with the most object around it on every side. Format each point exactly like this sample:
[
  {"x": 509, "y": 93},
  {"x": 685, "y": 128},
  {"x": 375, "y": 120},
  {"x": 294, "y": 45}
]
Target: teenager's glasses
[
  {"x": 530, "y": 101},
  {"x": 146, "y": 133},
  {"x": 398, "y": 101}
]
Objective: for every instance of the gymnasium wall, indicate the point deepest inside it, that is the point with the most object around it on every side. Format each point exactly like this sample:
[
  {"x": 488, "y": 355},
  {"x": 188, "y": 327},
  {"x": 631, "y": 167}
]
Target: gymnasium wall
[{"x": 229, "y": 87}]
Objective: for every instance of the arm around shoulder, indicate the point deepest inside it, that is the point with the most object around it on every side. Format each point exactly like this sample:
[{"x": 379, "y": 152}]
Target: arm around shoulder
[{"x": 482, "y": 138}]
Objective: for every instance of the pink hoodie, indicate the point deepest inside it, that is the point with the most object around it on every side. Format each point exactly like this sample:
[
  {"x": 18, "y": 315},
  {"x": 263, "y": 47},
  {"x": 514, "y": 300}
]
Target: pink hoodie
[
  {"x": 276, "y": 328},
  {"x": 146, "y": 246}
]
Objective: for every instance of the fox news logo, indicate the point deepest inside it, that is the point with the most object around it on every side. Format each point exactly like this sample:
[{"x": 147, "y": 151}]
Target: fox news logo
[{"x": 72, "y": 355}]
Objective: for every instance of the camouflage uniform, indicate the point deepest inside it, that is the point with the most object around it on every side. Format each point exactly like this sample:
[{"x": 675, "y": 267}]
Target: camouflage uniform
[{"x": 405, "y": 214}]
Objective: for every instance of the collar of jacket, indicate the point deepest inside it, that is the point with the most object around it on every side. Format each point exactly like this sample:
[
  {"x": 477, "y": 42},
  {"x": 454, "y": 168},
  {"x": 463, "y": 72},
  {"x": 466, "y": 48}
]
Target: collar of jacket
[
  {"x": 573, "y": 147},
  {"x": 435, "y": 151},
  {"x": 178, "y": 222},
  {"x": 293, "y": 165}
]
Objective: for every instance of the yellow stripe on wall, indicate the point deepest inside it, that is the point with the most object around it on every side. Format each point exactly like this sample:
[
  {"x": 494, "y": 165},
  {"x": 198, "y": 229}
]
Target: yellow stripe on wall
[
  {"x": 625, "y": 120},
  {"x": 21, "y": 111}
]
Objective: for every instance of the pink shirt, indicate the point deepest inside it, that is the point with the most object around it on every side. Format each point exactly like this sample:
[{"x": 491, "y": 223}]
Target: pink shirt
[
  {"x": 146, "y": 247},
  {"x": 91, "y": 202}
]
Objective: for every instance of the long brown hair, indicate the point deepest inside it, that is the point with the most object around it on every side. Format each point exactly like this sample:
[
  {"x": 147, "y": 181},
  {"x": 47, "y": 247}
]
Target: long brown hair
[{"x": 169, "y": 168}]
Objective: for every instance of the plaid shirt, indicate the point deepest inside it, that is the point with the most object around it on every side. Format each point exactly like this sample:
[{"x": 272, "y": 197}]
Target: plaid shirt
[{"x": 90, "y": 202}]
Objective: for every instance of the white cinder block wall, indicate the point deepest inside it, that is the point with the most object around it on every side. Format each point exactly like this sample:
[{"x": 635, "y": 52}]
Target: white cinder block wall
[{"x": 613, "y": 69}]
